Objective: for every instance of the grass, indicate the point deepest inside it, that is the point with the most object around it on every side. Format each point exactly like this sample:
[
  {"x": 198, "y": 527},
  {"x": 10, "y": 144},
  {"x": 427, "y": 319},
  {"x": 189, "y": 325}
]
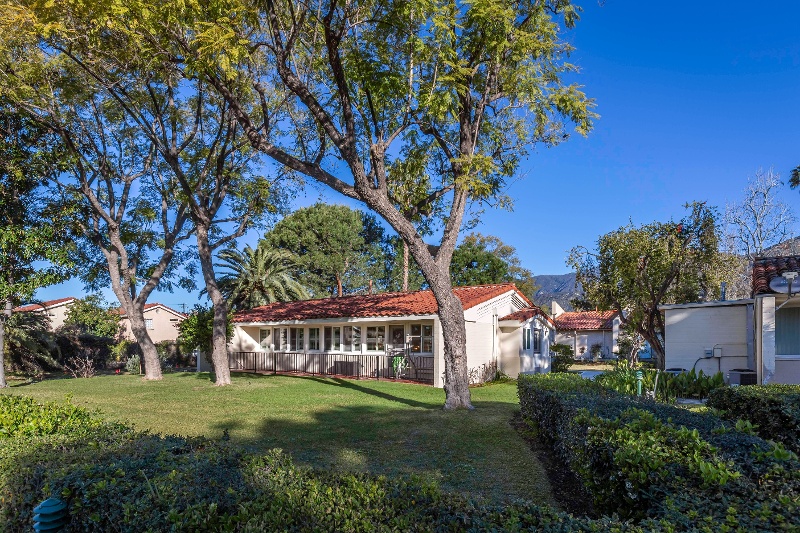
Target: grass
[{"x": 373, "y": 426}]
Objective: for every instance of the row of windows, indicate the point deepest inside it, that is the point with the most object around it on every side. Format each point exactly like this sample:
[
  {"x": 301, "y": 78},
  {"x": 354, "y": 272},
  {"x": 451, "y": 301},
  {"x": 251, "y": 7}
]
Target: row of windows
[{"x": 348, "y": 338}]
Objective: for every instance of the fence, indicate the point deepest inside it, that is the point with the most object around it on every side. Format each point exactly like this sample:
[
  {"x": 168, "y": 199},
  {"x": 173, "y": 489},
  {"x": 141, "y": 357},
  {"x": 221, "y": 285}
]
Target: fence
[{"x": 394, "y": 365}]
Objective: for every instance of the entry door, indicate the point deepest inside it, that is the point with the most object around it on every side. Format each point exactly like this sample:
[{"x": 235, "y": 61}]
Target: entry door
[{"x": 397, "y": 336}]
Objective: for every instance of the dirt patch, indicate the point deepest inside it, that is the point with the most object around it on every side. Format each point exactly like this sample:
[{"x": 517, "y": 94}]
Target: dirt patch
[{"x": 567, "y": 489}]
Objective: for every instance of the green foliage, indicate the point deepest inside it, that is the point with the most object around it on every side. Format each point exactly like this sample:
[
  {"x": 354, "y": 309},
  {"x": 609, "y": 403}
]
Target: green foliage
[
  {"x": 28, "y": 344},
  {"x": 668, "y": 387},
  {"x": 332, "y": 244},
  {"x": 134, "y": 364},
  {"x": 641, "y": 268},
  {"x": 482, "y": 259},
  {"x": 22, "y": 416},
  {"x": 773, "y": 410},
  {"x": 196, "y": 330},
  {"x": 259, "y": 277},
  {"x": 93, "y": 316},
  {"x": 116, "y": 479},
  {"x": 561, "y": 357},
  {"x": 651, "y": 461}
]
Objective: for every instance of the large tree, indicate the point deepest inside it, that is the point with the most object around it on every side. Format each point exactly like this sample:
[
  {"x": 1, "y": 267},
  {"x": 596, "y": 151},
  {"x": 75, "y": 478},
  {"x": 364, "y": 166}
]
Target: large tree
[
  {"x": 487, "y": 259},
  {"x": 30, "y": 233},
  {"x": 637, "y": 269},
  {"x": 93, "y": 316},
  {"x": 338, "y": 249},
  {"x": 481, "y": 81}
]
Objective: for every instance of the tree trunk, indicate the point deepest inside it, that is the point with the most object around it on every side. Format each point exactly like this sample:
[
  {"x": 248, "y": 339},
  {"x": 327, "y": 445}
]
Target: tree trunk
[
  {"x": 405, "y": 266},
  {"x": 152, "y": 364},
  {"x": 338, "y": 285},
  {"x": 454, "y": 333},
  {"x": 219, "y": 332},
  {"x": 3, "y": 320}
]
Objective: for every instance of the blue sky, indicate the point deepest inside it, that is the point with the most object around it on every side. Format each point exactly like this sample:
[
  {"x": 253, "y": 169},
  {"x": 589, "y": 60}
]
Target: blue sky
[{"x": 694, "y": 97}]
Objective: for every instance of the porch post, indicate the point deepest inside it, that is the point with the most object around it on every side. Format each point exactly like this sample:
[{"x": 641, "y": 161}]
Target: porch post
[{"x": 438, "y": 354}]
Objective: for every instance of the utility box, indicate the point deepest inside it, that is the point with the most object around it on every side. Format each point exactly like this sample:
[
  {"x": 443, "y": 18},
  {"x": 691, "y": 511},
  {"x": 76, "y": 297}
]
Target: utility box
[{"x": 742, "y": 376}]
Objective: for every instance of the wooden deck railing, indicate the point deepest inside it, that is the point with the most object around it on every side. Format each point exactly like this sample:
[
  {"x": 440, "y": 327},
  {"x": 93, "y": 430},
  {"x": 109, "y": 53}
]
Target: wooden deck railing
[{"x": 395, "y": 365}]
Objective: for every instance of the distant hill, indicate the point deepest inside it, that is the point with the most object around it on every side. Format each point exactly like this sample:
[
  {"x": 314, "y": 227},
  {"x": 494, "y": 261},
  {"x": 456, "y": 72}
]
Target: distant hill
[
  {"x": 558, "y": 287},
  {"x": 787, "y": 247}
]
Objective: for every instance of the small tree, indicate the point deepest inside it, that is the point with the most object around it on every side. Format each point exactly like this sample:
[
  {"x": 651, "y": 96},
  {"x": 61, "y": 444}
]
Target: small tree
[
  {"x": 197, "y": 331},
  {"x": 487, "y": 259},
  {"x": 93, "y": 316},
  {"x": 561, "y": 357},
  {"x": 637, "y": 269}
]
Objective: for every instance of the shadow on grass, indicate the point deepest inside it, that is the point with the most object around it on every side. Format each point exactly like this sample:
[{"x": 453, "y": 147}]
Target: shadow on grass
[{"x": 355, "y": 386}]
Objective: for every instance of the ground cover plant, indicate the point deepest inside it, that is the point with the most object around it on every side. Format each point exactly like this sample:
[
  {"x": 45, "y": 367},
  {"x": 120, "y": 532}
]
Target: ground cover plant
[
  {"x": 648, "y": 460},
  {"x": 623, "y": 378},
  {"x": 349, "y": 426},
  {"x": 773, "y": 410}
]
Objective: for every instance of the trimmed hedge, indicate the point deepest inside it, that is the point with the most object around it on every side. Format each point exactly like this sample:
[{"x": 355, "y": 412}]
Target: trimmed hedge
[
  {"x": 773, "y": 409},
  {"x": 115, "y": 479},
  {"x": 652, "y": 461}
]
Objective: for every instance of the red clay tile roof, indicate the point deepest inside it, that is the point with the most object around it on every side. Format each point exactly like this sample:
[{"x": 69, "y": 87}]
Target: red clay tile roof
[
  {"x": 524, "y": 314},
  {"x": 580, "y": 320},
  {"x": 371, "y": 305},
  {"x": 122, "y": 312},
  {"x": 41, "y": 306},
  {"x": 765, "y": 269}
]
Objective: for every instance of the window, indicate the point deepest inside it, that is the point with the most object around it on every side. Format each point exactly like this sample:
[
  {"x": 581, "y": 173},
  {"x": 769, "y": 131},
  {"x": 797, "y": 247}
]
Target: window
[
  {"x": 526, "y": 339},
  {"x": 296, "y": 339},
  {"x": 333, "y": 338},
  {"x": 280, "y": 339},
  {"x": 313, "y": 338},
  {"x": 421, "y": 338},
  {"x": 263, "y": 338},
  {"x": 787, "y": 331},
  {"x": 376, "y": 336},
  {"x": 351, "y": 339},
  {"x": 537, "y": 341},
  {"x": 148, "y": 323}
]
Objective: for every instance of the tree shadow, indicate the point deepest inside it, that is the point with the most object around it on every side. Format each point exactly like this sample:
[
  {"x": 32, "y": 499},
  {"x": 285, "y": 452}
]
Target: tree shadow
[{"x": 355, "y": 386}]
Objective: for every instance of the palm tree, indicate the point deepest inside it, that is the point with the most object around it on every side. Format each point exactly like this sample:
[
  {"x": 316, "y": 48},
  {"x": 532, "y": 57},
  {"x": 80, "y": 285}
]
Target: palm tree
[
  {"x": 259, "y": 277},
  {"x": 29, "y": 343}
]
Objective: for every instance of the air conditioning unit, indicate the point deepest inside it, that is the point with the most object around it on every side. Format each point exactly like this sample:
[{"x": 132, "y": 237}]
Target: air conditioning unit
[{"x": 742, "y": 376}]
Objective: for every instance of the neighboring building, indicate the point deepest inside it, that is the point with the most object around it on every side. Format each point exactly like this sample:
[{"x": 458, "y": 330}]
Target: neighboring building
[
  {"x": 393, "y": 335},
  {"x": 584, "y": 329},
  {"x": 56, "y": 310},
  {"x": 760, "y": 334},
  {"x": 160, "y": 320}
]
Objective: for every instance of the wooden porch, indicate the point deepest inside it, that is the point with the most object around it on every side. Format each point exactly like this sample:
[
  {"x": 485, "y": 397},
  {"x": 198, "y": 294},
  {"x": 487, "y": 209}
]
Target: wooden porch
[{"x": 395, "y": 365}]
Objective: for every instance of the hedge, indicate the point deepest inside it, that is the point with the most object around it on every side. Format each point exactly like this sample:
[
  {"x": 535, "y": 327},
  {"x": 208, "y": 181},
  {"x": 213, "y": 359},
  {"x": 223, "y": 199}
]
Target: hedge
[
  {"x": 774, "y": 410},
  {"x": 651, "y": 461},
  {"x": 116, "y": 479}
]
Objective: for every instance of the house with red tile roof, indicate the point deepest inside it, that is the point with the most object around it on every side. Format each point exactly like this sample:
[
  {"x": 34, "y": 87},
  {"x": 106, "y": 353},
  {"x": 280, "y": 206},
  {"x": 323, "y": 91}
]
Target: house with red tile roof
[
  {"x": 56, "y": 310},
  {"x": 161, "y": 323},
  {"x": 590, "y": 333},
  {"x": 753, "y": 340},
  {"x": 393, "y": 335}
]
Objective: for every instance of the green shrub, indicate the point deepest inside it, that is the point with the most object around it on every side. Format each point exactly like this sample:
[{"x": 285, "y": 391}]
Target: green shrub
[
  {"x": 561, "y": 357},
  {"x": 22, "y": 416},
  {"x": 667, "y": 387},
  {"x": 773, "y": 410},
  {"x": 644, "y": 459},
  {"x": 115, "y": 479}
]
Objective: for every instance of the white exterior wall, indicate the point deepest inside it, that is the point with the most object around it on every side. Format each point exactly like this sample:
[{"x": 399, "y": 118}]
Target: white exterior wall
[
  {"x": 691, "y": 331},
  {"x": 165, "y": 325},
  {"x": 481, "y": 342},
  {"x": 510, "y": 351}
]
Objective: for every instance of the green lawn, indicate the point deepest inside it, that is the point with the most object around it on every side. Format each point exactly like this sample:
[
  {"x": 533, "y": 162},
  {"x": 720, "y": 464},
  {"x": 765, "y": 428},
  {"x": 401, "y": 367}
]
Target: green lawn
[{"x": 374, "y": 426}]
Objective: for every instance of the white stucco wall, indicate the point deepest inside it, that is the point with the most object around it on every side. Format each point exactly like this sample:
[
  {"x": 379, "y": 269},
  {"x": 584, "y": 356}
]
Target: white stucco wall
[
  {"x": 691, "y": 331},
  {"x": 165, "y": 325}
]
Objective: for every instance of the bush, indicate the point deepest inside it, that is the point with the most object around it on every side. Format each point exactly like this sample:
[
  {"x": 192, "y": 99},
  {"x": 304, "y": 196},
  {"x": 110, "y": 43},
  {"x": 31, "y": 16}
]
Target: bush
[
  {"x": 114, "y": 479},
  {"x": 668, "y": 387},
  {"x": 561, "y": 357},
  {"x": 133, "y": 364},
  {"x": 774, "y": 410},
  {"x": 652, "y": 461},
  {"x": 98, "y": 349},
  {"x": 22, "y": 416}
]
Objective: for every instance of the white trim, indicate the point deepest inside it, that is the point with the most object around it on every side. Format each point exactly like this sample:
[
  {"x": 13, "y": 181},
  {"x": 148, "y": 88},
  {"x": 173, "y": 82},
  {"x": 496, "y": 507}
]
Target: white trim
[
  {"x": 706, "y": 304},
  {"x": 344, "y": 320},
  {"x": 787, "y": 357}
]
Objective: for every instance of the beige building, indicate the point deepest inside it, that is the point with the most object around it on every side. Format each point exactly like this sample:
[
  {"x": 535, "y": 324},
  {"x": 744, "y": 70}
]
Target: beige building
[
  {"x": 56, "y": 310},
  {"x": 761, "y": 334},
  {"x": 160, "y": 320},
  {"x": 583, "y": 330},
  {"x": 393, "y": 335}
]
